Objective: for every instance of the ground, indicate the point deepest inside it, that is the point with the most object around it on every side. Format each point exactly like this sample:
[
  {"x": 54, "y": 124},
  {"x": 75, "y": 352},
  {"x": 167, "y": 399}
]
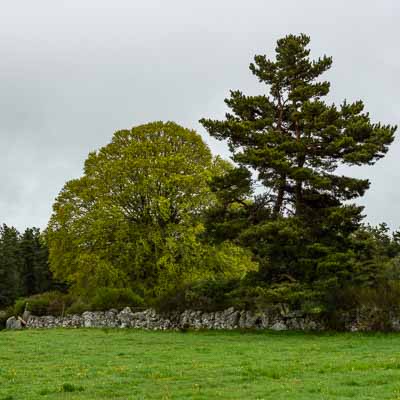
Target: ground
[{"x": 133, "y": 364}]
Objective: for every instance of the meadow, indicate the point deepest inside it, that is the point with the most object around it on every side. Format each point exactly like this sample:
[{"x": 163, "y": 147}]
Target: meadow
[{"x": 133, "y": 364}]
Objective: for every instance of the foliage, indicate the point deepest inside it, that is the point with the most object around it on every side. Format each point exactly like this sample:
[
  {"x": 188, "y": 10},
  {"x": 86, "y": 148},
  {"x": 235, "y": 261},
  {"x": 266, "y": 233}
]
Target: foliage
[
  {"x": 10, "y": 265},
  {"x": 385, "y": 297},
  {"x": 35, "y": 270},
  {"x": 134, "y": 218},
  {"x": 78, "y": 306},
  {"x": 244, "y": 294},
  {"x": 59, "y": 303},
  {"x": 106, "y": 298},
  {"x": 377, "y": 255},
  {"x": 298, "y": 227},
  {"x": 24, "y": 266},
  {"x": 294, "y": 250},
  {"x": 289, "y": 295},
  {"x": 292, "y": 138},
  {"x": 206, "y": 295},
  {"x": 373, "y": 306},
  {"x": 47, "y": 303}
]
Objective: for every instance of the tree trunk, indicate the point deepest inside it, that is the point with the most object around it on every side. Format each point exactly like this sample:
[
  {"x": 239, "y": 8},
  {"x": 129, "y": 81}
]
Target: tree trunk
[
  {"x": 279, "y": 199},
  {"x": 299, "y": 197}
]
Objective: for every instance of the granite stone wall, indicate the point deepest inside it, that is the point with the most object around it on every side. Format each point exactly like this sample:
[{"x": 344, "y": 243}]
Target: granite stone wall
[
  {"x": 277, "y": 319},
  {"x": 150, "y": 319}
]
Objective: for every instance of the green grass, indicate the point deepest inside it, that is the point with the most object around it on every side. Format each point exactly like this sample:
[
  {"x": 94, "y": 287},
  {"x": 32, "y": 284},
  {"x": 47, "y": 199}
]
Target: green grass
[{"x": 132, "y": 364}]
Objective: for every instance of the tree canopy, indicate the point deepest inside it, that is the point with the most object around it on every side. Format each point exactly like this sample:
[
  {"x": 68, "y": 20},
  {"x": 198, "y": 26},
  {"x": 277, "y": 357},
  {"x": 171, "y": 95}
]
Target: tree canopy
[
  {"x": 295, "y": 141},
  {"x": 133, "y": 218},
  {"x": 292, "y": 138}
]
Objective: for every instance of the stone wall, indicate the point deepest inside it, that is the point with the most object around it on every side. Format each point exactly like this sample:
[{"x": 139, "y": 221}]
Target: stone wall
[
  {"x": 150, "y": 319},
  {"x": 277, "y": 319}
]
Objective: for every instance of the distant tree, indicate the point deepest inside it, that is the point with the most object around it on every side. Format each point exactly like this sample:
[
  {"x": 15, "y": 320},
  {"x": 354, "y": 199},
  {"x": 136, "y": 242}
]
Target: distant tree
[
  {"x": 134, "y": 217},
  {"x": 377, "y": 254},
  {"x": 10, "y": 265},
  {"x": 35, "y": 272},
  {"x": 299, "y": 226},
  {"x": 24, "y": 268}
]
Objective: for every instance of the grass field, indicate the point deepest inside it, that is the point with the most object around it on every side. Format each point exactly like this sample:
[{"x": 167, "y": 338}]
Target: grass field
[{"x": 132, "y": 364}]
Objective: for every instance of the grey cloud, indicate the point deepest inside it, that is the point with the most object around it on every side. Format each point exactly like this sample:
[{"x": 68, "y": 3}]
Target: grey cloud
[{"x": 73, "y": 72}]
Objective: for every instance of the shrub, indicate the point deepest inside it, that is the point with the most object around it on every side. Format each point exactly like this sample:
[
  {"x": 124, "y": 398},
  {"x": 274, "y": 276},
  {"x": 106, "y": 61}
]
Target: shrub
[
  {"x": 385, "y": 296},
  {"x": 210, "y": 295},
  {"x": 79, "y": 306},
  {"x": 19, "y": 306},
  {"x": 56, "y": 303},
  {"x": 48, "y": 303},
  {"x": 106, "y": 298},
  {"x": 214, "y": 295},
  {"x": 293, "y": 295}
]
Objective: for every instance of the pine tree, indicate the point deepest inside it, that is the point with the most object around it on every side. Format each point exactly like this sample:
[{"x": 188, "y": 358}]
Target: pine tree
[
  {"x": 295, "y": 141},
  {"x": 35, "y": 277},
  {"x": 10, "y": 265}
]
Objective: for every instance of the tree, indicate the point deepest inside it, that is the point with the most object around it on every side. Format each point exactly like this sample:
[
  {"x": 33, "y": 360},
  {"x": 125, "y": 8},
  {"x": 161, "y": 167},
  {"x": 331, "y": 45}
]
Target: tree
[
  {"x": 24, "y": 268},
  {"x": 295, "y": 141},
  {"x": 133, "y": 218},
  {"x": 35, "y": 273},
  {"x": 377, "y": 254},
  {"x": 10, "y": 265}
]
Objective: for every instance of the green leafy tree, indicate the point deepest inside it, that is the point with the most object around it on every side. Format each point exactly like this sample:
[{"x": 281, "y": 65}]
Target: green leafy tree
[
  {"x": 295, "y": 141},
  {"x": 134, "y": 217}
]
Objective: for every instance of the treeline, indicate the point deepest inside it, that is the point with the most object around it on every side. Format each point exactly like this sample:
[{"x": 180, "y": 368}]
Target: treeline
[
  {"x": 156, "y": 220},
  {"x": 24, "y": 266}
]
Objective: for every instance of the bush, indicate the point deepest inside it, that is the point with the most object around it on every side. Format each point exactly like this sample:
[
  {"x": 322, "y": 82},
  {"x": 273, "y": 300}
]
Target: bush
[
  {"x": 385, "y": 296},
  {"x": 56, "y": 303},
  {"x": 79, "y": 306},
  {"x": 19, "y": 306},
  {"x": 214, "y": 295},
  {"x": 211, "y": 295},
  {"x": 48, "y": 303},
  {"x": 106, "y": 298}
]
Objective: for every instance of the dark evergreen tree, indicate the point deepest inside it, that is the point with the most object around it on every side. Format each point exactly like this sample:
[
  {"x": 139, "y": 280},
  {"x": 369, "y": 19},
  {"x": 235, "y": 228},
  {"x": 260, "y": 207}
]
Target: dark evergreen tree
[
  {"x": 10, "y": 265},
  {"x": 377, "y": 252},
  {"x": 35, "y": 277},
  {"x": 24, "y": 268},
  {"x": 295, "y": 141},
  {"x": 292, "y": 138}
]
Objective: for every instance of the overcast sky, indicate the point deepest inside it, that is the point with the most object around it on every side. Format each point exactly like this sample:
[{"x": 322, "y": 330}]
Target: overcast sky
[{"x": 73, "y": 72}]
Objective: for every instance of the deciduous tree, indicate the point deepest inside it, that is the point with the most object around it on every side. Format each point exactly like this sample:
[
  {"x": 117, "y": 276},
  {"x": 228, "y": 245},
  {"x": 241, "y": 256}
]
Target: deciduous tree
[{"x": 134, "y": 217}]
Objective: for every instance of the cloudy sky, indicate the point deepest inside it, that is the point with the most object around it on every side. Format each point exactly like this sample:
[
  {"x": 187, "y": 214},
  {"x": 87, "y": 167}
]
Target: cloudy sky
[{"x": 74, "y": 71}]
